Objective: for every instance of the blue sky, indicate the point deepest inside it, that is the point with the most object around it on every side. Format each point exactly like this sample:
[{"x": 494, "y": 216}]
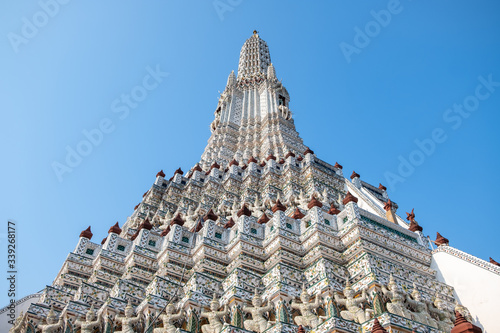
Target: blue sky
[{"x": 363, "y": 107}]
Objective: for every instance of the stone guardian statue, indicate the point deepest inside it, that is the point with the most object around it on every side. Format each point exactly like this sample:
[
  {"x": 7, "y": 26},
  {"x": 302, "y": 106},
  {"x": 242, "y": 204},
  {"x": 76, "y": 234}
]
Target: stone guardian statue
[
  {"x": 421, "y": 313},
  {"x": 214, "y": 322},
  {"x": 354, "y": 310},
  {"x": 129, "y": 320},
  {"x": 397, "y": 298},
  {"x": 89, "y": 324},
  {"x": 258, "y": 323},
  {"x": 53, "y": 325},
  {"x": 307, "y": 318},
  {"x": 168, "y": 319},
  {"x": 18, "y": 324},
  {"x": 445, "y": 322}
]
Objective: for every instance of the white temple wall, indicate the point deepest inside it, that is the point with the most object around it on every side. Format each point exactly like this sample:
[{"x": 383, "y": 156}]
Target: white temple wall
[
  {"x": 21, "y": 305},
  {"x": 475, "y": 287}
]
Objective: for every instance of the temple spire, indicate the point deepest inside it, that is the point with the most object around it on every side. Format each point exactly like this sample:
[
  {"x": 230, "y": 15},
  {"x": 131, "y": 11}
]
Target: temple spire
[
  {"x": 253, "y": 102},
  {"x": 271, "y": 73},
  {"x": 231, "y": 80},
  {"x": 254, "y": 57}
]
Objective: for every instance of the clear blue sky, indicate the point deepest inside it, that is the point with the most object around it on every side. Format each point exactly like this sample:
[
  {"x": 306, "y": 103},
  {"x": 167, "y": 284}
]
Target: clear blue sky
[{"x": 365, "y": 114}]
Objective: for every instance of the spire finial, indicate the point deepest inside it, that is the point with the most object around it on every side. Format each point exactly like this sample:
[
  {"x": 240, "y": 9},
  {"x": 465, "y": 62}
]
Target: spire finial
[{"x": 254, "y": 60}]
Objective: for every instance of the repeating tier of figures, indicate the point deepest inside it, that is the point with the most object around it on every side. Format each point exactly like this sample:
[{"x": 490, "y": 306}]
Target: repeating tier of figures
[{"x": 309, "y": 312}]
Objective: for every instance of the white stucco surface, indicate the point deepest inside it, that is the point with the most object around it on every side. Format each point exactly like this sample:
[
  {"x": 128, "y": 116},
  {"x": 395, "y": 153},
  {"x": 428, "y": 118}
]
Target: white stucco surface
[
  {"x": 21, "y": 305},
  {"x": 476, "y": 283}
]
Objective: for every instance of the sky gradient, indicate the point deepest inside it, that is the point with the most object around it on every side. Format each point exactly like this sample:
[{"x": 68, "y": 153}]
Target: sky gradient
[{"x": 405, "y": 93}]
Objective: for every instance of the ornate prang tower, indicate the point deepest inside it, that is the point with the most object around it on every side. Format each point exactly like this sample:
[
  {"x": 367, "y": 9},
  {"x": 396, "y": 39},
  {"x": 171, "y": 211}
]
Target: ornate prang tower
[
  {"x": 271, "y": 237},
  {"x": 252, "y": 118}
]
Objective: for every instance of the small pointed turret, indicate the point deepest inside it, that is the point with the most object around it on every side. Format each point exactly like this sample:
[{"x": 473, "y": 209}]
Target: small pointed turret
[
  {"x": 244, "y": 211},
  {"x": 271, "y": 72},
  {"x": 440, "y": 240},
  {"x": 198, "y": 226},
  {"x": 177, "y": 220},
  {"x": 333, "y": 210},
  {"x": 314, "y": 203},
  {"x": 271, "y": 157},
  {"x": 229, "y": 224},
  {"x": 390, "y": 211},
  {"x": 210, "y": 216},
  {"x": 145, "y": 225},
  {"x": 308, "y": 151},
  {"x": 231, "y": 79},
  {"x": 494, "y": 262},
  {"x": 115, "y": 229},
  {"x": 355, "y": 175},
  {"x": 215, "y": 165},
  {"x": 86, "y": 233},
  {"x": 278, "y": 206},
  {"x": 297, "y": 214},
  {"x": 461, "y": 325},
  {"x": 377, "y": 328},
  {"x": 263, "y": 219},
  {"x": 413, "y": 223},
  {"x": 165, "y": 231},
  {"x": 349, "y": 198}
]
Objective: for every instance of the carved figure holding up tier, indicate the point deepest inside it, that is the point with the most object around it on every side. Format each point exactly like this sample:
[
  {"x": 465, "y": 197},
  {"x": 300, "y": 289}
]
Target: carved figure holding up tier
[
  {"x": 445, "y": 322},
  {"x": 463, "y": 311},
  {"x": 258, "y": 323},
  {"x": 89, "y": 324},
  {"x": 421, "y": 313},
  {"x": 307, "y": 318},
  {"x": 18, "y": 323},
  {"x": 258, "y": 208},
  {"x": 303, "y": 200},
  {"x": 52, "y": 324},
  {"x": 354, "y": 310},
  {"x": 214, "y": 323},
  {"x": 168, "y": 320},
  {"x": 285, "y": 112},
  {"x": 129, "y": 320},
  {"x": 191, "y": 218},
  {"x": 397, "y": 298}
]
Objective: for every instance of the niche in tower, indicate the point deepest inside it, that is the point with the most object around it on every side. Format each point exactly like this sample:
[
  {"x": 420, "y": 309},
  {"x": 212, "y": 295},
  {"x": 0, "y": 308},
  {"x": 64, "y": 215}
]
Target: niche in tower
[{"x": 281, "y": 100}]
